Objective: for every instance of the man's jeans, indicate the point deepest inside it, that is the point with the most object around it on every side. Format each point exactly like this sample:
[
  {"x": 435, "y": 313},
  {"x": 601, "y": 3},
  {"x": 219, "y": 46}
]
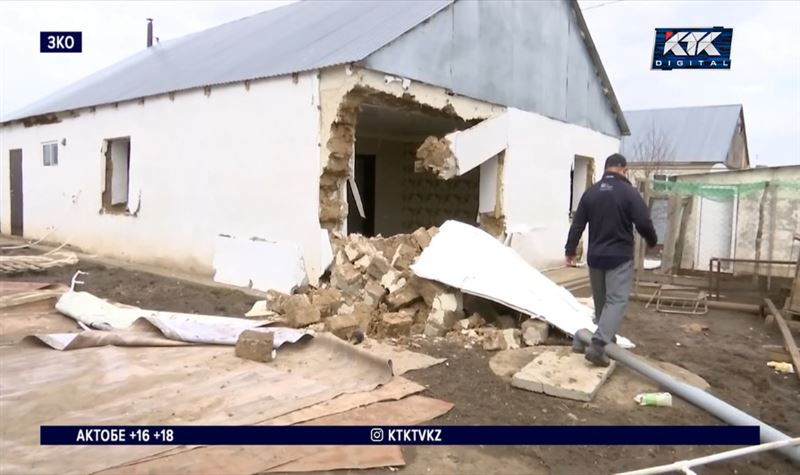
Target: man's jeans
[{"x": 610, "y": 290}]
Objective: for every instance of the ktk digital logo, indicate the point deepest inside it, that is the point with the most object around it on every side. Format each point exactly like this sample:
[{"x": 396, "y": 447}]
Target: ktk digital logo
[{"x": 692, "y": 48}]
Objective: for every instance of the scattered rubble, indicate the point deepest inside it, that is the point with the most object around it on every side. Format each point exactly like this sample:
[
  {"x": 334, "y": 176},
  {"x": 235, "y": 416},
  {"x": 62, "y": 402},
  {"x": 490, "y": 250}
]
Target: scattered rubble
[
  {"x": 371, "y": 290},
  {"x": 255, "y": 345}
]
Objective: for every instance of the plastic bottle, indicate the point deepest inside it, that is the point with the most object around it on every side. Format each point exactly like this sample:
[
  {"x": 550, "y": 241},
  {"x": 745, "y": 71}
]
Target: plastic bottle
[{"x": 654, "y": 399}]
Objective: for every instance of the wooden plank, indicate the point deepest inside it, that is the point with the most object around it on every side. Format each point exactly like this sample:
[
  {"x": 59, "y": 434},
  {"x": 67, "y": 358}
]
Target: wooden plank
[{"x": 791, "y": 345}]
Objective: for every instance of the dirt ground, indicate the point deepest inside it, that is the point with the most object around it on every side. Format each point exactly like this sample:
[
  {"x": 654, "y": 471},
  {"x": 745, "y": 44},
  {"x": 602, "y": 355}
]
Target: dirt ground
[{"x": 729, "y": 356}]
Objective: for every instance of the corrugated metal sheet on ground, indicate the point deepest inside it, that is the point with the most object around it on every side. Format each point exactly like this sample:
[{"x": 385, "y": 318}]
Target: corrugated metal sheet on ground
[{"x": 160, "y": 386}]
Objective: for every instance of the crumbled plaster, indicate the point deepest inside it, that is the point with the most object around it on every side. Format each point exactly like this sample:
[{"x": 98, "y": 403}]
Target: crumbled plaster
[
  {"x": 342, "y": 91},
  {"x": 435, "y": 156}
]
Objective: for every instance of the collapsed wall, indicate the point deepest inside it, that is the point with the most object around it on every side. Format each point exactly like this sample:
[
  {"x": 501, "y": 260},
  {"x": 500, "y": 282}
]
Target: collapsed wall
[
  {"x": 371, "y": 290},
  {"x": 342, "y": 92}
]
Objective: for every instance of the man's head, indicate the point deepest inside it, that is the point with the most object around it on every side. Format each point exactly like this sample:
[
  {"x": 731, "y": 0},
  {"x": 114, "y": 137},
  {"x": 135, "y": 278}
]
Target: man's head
[{"x": 616, "y": 163}]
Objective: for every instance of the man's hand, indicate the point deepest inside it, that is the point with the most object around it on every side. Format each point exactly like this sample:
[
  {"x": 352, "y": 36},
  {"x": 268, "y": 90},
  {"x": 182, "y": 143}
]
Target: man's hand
[{"x": 571, "y": 262}]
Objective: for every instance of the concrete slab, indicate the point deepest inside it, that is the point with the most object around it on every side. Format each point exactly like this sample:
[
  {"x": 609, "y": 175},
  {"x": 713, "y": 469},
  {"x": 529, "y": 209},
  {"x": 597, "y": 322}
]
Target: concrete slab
[{"x": 562, "y": 373}]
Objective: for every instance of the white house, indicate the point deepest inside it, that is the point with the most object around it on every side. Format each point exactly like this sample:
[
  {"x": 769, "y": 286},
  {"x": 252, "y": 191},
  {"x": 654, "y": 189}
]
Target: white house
[{"x": 266, "y": 128}]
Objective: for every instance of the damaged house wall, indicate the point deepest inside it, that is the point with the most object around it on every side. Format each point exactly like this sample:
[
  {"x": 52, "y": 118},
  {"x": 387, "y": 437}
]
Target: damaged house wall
[
  {"x": 240, "y": 159},
  {"x": 406, "y": 200},
  {"x": 342, "y": 91}
]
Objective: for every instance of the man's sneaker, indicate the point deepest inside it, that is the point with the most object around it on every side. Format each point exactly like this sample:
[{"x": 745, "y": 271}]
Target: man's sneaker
[{"x": 597, "y": 356}]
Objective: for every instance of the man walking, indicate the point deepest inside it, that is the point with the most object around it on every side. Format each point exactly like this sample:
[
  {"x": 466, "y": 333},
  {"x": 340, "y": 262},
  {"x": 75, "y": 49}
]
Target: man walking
[{"x": 611, "y": 207}]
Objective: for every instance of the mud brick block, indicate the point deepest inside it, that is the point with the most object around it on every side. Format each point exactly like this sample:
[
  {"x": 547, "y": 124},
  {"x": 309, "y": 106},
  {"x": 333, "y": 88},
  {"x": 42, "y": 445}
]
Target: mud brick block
[{"x": 255, "y": 345}]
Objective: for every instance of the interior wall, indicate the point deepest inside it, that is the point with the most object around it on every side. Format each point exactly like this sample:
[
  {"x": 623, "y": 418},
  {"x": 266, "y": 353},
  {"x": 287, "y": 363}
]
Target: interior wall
[
  {"x": 406, "y": 200},
  {"x": 240, "y": 159}
]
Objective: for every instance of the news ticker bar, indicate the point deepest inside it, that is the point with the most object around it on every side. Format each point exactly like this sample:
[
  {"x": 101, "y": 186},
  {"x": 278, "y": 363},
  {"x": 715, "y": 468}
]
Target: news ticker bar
[{"x": 399, "y": 435}]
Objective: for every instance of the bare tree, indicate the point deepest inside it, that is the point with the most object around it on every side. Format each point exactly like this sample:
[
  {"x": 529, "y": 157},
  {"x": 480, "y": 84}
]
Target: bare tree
[{"x": 653, "y": 151}]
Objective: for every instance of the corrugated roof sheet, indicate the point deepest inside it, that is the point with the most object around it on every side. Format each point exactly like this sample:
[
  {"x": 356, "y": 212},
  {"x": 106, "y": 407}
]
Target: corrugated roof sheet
[
  {"x": 696, "y": 134},
  {"x": 298, "y": 37}
]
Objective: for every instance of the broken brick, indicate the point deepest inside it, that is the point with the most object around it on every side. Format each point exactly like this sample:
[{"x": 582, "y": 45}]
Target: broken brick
[
  {"x": 255, "y": 345},
  {"x": 363, "y": 315},
  {"x": 428, "y": 289},
  {"x": 299, "y": 312},
  {"x": 404, "y": 256},
  {"x": 373, "y": 293},
  {"x": 347, "y": 278},
  {"x": 396, "y": 325},
  {"x": 275, "y": 301},
  {"x": 448, "y": 301},
  {"x": 534, "y": 332},
  {"x": 390, "y": 278},
  {"x": 378, "y": 267},
  {"x": 363, "y": 262},
  {"x": 402, "y": 296},
  {"x": 351, "y": 252},
  {"x": 342, "y": 326},
  {"x": 421, "y": 237},
  {"x": 327, "y": 301},
  {"x": 508, "y": 339}
]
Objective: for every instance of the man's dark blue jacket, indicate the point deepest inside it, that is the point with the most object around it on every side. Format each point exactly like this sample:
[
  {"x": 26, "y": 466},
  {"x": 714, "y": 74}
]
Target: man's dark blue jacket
[{"x": 611, "y": 207}]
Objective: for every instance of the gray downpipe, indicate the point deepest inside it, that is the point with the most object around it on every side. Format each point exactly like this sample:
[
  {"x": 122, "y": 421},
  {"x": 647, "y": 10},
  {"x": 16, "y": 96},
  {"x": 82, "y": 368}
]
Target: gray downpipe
[{"x": 696, "y": 396}]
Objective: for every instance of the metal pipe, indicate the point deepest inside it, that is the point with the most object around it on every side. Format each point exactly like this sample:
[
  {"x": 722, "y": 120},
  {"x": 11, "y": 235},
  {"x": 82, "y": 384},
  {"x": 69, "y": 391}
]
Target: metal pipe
[
  {"x": 716, "y": 407},
  {"x": 686, "y": 465},
  {"x": 149, "y": 32}
]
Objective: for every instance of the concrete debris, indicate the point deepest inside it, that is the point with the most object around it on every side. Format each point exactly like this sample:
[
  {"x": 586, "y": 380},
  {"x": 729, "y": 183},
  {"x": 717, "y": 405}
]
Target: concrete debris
[
  {"x": 255, "y": 345},
  {"x": 372, "y": 290},
  {"x": 342, "y": 326},
  {"x": 534, "y": 332},
  {"x": 347, "y": 279},
  {"x": 421, "y": 237},
  {"x": 299, "y": 312},
  {"x": 378, "y": 267},
  {"x": 451, "y": 302},
  {"x": 396, "y": 325},
  {"x": 564, "y": 374},
  {"x": 428, "y": 289},
  {"x": 435, "y": 156},
  {"x": 327, "y": 301},
  {"x": 402, "y": 296}
]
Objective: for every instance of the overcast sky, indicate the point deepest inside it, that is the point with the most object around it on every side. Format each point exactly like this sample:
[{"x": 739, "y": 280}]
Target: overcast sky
[{"x": 764, "y": 75}]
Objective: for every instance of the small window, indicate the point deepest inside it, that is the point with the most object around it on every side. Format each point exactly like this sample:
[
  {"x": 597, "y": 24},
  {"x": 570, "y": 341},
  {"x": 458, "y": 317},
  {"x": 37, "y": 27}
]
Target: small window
[
  {"x": 117, "y": 166},
  {"x": 50, "y": 154}
]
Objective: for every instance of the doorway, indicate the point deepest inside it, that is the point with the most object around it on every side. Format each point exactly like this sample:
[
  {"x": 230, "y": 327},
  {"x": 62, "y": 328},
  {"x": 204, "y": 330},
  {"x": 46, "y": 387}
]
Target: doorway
[{"x": 15, "y": 169}]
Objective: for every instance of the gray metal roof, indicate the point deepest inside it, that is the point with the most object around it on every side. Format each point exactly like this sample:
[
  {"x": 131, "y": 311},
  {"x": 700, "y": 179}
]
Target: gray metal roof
[
  {"x": 298, "y": 37},
  {"x": 695, "y": 134}
]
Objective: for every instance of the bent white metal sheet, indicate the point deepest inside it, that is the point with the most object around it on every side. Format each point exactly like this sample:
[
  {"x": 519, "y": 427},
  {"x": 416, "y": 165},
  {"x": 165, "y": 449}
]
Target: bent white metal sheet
[{"x": 469, "y": 259}]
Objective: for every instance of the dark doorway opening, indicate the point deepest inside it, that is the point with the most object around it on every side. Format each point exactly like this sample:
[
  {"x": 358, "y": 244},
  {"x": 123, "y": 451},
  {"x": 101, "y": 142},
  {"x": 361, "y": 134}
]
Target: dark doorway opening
[
  {"x": 15, "y": 169},
  {"x": 364, "y": 176}
]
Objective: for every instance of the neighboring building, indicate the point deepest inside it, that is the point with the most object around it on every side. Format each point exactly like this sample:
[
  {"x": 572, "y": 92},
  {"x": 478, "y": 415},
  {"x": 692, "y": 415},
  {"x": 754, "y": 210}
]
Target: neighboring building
[
  {"x": 264, "y": 128},
  {"x": 738, "y": 214},
  {"x": 667, "y": 143}
]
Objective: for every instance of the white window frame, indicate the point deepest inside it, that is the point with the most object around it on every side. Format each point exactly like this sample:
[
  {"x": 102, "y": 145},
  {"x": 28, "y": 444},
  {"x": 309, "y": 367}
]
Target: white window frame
[{"x": 50, "y": 159}]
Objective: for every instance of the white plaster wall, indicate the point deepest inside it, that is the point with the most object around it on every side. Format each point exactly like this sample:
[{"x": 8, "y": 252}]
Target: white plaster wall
[
  {"x": 241, "y": 162},
  {"x": 536, "y": 188}
]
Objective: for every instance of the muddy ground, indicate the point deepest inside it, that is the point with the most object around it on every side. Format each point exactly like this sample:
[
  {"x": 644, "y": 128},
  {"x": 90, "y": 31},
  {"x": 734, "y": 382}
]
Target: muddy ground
[{"x": 729, "y": 356}]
